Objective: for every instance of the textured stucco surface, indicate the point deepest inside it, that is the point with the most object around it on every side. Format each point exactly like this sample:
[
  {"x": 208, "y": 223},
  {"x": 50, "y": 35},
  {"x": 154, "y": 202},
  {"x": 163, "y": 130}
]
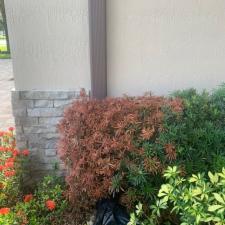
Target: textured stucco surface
[
  {"x": 49, "y": 44},
  {"x": 162, "y": 45},
  {"x": 153, "y": 45}
]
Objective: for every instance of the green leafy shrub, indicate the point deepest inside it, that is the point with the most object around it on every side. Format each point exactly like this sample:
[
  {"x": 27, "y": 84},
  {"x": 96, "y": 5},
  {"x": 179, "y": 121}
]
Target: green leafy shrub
[
  {"x": 45, "y": 206},
  {"x": 7, "y": 217},
  {"x": 218, "y": 97},
  {"x": 198, "y": 134},
  {"x": 196, "y": 200},
  {"x": 192, "y": 137},
  {"x": 11, "y": 170}
]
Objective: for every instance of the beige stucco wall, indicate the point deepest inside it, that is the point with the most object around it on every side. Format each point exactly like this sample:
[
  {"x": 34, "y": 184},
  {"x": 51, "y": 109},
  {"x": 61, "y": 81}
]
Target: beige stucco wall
[
  {"x": 49, "y": 43},
  {"x": 153, "y": 45},
  {"x": 162, "y": 45}
]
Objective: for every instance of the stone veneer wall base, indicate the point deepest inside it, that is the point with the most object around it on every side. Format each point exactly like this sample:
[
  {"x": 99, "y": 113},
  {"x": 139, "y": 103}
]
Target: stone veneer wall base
[{"x": 37, "y": 114}]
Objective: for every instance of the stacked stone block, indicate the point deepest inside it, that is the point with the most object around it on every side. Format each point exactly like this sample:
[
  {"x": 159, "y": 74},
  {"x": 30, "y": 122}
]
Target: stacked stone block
[{"x": 37, "y": 114}]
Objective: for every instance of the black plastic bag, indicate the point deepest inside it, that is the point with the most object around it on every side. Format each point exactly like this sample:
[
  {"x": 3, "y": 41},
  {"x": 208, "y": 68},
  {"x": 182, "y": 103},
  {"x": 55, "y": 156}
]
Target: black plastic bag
[{"x": 110, "y": 212}]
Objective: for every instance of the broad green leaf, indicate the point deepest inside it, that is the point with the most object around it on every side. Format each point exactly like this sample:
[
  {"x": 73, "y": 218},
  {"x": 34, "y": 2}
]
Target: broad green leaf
[
  {"x": 165, "y": 189},
  {"x": 196, "y": 191},
  {"x": 213, "y": 178},
  {"x": 219, "y": 198},
  {"x": 193, "y": 179},
  {"x": 198, "y": 218},
  {"x": 213, "y": 208},
  {"x": 139, "y": 209}
]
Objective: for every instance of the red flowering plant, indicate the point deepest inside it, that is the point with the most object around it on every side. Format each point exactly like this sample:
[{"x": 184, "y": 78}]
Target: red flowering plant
[
  {"x": 7, "y": 217},
  {"x": 50, "y": 205},
  {"x": 45, "y": 206},
  {"x": 10, "y": 168}
]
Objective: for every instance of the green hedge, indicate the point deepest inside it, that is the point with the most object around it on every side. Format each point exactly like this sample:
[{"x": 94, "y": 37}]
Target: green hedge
[{"x": 192, "y": 138}]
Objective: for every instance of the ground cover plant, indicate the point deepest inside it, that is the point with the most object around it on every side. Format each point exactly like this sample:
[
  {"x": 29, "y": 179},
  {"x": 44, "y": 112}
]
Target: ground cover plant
[
  {"x": 5, "y": 56},
  {"x": 3, "y": 48},
  {"x": 3, "y": 52}
]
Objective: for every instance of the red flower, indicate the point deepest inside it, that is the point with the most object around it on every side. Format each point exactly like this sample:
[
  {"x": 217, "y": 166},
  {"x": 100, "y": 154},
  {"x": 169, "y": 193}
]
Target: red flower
[
  {"x": 10, "y": 173},
  {"x": 3, "y": 149},
  {"x": 26, "y": 152},
  {"x": 11, "y": 129},
  {"x": 2, "y": 133},
  {"x": 2, "y": 167},
  {"x": 28, "y": 198},
  {"x": 9, "y": 164},
  {"x": 50, "y": 205},
  {"x": 16, "y": 152},
  {"x": 4, "y": 211},
  {"x": 10, "y": 160}
]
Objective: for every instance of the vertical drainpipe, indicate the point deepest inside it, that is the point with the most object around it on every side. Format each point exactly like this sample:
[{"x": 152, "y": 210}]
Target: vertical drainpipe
[{"x": 98, "y": 50}]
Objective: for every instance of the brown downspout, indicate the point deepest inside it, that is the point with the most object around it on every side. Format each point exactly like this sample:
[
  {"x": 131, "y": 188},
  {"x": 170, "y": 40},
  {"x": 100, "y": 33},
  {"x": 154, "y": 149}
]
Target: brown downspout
[{"x": 98, "y": 54}]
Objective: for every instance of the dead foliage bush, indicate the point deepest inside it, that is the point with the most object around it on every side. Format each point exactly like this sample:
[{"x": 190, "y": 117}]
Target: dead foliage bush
[{"x": 96, "y": 135}]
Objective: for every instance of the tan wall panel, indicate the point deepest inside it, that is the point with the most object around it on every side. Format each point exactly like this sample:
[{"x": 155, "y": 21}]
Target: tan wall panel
[
  {"x": 49, "y": 43},
  {"x": 162, "y": 45}
]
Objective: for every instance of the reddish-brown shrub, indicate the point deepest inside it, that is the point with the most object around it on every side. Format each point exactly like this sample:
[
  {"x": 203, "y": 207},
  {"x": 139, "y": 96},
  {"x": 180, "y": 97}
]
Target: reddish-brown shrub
[{"x": 96, "y": 135}]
